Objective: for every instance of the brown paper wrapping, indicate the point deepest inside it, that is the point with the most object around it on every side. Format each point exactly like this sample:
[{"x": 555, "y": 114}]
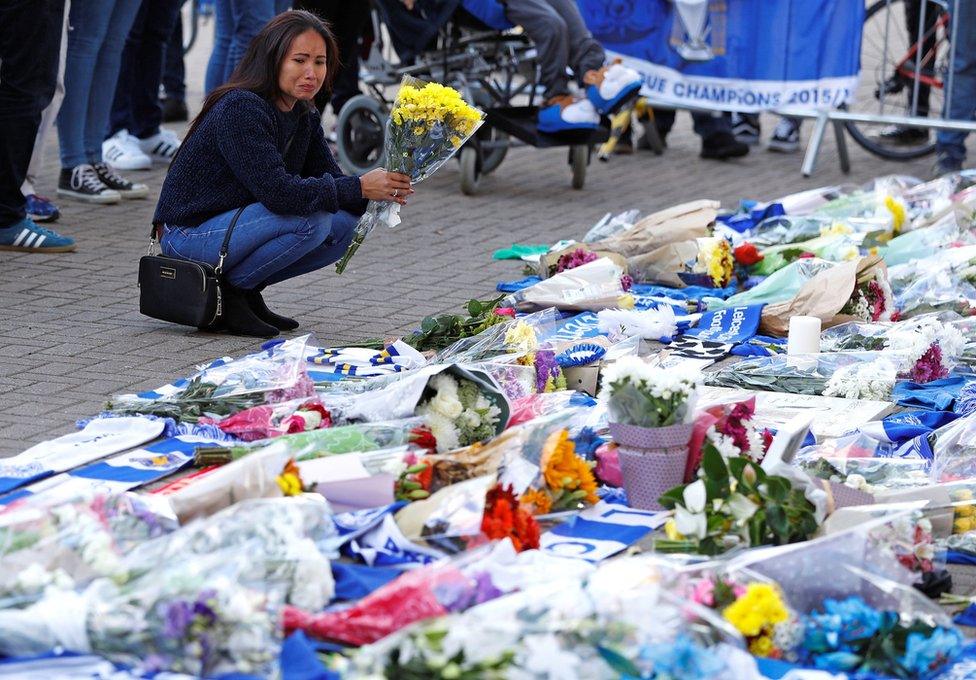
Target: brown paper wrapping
[
  {"x": 662, "y": 264},
  {"x": 684, "y": 222},
  {"x": 823, "y": 296}
]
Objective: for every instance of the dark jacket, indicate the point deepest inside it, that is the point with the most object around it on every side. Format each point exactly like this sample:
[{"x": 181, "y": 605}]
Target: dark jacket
[{"x": 234, "y": 159}]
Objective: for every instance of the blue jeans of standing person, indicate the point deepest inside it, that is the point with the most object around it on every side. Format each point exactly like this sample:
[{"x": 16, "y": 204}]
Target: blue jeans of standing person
[
  {"x": 136, "y": 107},
  {"x": 95, "y": 42},
  {"x": 174, "y": 69},
  {"x": 236, "y": 24},
  {"x": 951, "y": 144},
  {"x": 265, "y": 248}
]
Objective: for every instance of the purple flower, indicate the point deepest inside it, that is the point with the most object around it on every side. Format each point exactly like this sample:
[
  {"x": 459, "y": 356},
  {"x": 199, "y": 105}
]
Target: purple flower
[
  {"x": 546, "y": 367},
  {"x": 574, "y": 259},
  {"x": 179, "y": 614},
  {"x": 626, "y": 281},
  {"x": 484, "y": 589}
]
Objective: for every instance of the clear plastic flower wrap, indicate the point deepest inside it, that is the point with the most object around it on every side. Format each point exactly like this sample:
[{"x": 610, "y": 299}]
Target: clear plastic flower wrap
[
  {"x": 428, "y": 123},
  {"x": 449, "y": 585},
  {"x": 273, "y": 375},
  {"x": 954, "y": 450},
  {"x": 513, "y": 337},
  {"x": 273, "y": 420},
  {"x": 66, "y": 546},
  {"x": 803, "y": 374},
  {"x": 448, "y": 396},
  {"x": 785, "y": 229},
  {"x": 516, "y": 380},
  {"x": 926, "y": 242},
  {"x": 324, "y": 442},
  {"x": 190, "y": 616},
  {"x": 840, "y": 461},
  {"x": 619, "y": 622},
  {"x": 942, "y": 282},
  {"x": 295, "y": 538}
]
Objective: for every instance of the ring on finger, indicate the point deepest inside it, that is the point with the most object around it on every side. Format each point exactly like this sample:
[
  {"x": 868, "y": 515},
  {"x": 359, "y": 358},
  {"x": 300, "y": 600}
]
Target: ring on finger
[{"x": 396, "y": 192}]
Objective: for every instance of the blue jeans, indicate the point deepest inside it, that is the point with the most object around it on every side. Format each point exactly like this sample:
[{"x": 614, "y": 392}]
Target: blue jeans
[
  {"x": 236, "y": 24},
  {"x": 265, "y": 247},
  {"x": 952, "y": 143},
  {"x": 95, "y": 42},
  {"x": 136, "y": 107}
]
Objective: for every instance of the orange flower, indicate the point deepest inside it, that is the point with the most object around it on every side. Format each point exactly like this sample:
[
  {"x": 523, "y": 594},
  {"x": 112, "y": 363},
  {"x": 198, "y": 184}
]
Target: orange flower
[
  {"x": 563, "y": 469},
  {"x": 290, "y": 480},
  {"x": 535, "y": 501}
]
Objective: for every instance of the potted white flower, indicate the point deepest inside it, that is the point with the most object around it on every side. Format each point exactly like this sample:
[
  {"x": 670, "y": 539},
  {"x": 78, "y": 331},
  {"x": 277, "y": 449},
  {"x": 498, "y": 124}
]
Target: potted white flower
[{"x": 651, "y": 412}]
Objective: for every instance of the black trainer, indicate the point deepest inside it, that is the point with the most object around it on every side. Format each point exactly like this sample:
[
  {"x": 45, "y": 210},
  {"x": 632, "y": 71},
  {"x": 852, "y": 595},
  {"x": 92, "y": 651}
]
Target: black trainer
[
  {"x": 114, "y": 180},
  {"x": 903, "y": 134},
  {"x": 260, "y": 309},
  {"x": 745, "y": 127},
  {"x": 722, "y": 145},
  {"x": 82, "y": 183}
]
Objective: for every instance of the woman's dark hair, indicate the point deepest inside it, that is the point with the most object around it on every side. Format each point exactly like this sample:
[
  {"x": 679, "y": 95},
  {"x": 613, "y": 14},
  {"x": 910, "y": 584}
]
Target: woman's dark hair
[{"x": 258, "y": 70}]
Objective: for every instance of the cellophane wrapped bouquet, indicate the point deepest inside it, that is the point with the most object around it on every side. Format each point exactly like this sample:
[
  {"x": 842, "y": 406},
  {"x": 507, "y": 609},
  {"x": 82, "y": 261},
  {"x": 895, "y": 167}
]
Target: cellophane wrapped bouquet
[{"x": 428, "y": 124}]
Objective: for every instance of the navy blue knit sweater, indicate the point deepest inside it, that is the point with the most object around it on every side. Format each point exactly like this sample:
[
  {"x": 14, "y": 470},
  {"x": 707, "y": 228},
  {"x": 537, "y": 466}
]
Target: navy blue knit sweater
[{"x": 234, "y": 159}]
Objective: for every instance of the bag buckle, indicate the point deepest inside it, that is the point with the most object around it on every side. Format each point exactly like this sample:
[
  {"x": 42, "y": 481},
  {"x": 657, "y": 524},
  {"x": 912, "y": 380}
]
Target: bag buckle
[
  {"x": 220, "y": 264},
  {"x": 152, "y": 244}
]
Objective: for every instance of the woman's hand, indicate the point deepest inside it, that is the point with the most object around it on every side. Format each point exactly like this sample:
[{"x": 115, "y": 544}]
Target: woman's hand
[{"x": 381, "y": 185}]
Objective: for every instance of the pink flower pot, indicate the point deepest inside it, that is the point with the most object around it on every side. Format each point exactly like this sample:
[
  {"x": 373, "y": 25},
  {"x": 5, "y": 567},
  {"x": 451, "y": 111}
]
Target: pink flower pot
[{"x": 652, "y": 460}]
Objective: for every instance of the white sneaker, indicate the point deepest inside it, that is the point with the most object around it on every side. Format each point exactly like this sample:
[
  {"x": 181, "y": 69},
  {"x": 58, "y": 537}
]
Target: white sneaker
[
  {"x": 162, "y": 146},
  {"x": 122, "y": 151}
]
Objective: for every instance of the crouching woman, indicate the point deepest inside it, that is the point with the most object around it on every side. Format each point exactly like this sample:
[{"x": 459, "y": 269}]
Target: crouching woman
[{"x": 258, "y": 145}]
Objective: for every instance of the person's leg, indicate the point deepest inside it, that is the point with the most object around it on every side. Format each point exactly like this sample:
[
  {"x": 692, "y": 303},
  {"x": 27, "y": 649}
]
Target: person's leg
[
  {"x": 122, "y": 115},
  {"x": 334, "y": 246},
  {"x": 250, "y": 16},
  {"x": 951, "y": 144},
  {"x": 223, "y": 32},
  {"x": 89, "y": 23},
  {"x": 30, "y": 33},
  {"x": 262, "y": 244},
  {"x": 120, "y": 20},
  {"x": 147, "y": 114},
  {"x": 48, "y": 119},
  {"x": 550, "y": 34},
  {"x": 174, "y": 68},
  {"x": 718, "y": 142},
  {"x": 585, "y": 53},
  {"x": 349, "y": 25}
]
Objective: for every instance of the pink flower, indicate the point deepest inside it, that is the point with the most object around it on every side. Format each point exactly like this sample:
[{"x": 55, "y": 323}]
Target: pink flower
[
  {"x": 704, "y": 593},
  {"x": 505, "y": 311},
  {"x": 929, "y": 367},
  {"x": 626, "y": 281},
  {"x": 574, "y": 259},
  {"x": 608, "y": 465}
]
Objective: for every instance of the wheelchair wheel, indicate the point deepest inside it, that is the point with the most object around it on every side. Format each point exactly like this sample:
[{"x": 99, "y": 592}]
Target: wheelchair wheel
[
  {"x": 494, "y": 142},
  {"x": 470, "y": 172},
  {"x": 360, "y": 133},
  {"x": 579, "y": 158}
]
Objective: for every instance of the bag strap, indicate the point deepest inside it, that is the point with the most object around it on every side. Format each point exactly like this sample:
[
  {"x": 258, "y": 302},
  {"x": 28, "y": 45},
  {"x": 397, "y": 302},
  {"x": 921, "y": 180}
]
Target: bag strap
[{"x": 226, "y": 244}]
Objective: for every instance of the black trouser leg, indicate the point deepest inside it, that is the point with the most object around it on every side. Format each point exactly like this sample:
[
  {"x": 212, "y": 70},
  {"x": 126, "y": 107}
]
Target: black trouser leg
[{"x": 30, "y": 42}]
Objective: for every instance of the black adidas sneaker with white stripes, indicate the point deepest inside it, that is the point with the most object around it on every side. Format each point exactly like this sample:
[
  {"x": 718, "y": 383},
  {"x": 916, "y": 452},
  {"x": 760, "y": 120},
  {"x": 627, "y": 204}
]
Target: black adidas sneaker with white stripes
[{"x": 82, "y": 183}]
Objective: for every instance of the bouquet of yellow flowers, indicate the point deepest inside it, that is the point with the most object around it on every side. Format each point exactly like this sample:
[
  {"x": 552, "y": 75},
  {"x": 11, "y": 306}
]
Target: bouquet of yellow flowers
[{"x": 428, "y": 124}]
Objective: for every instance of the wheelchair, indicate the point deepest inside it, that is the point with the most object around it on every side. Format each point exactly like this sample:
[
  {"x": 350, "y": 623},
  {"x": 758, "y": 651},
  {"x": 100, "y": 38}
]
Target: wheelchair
[{"x": 478, "y": 52}]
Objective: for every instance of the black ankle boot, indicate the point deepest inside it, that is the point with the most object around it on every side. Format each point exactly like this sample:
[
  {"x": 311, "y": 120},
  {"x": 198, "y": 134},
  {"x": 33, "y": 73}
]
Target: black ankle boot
[
  {"x": 260, "y": 309},
  {"x": 237, "y": 316}
]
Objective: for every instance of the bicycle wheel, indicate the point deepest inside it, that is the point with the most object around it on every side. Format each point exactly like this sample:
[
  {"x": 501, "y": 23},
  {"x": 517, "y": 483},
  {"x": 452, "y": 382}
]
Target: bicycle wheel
[
  {"x": 360, "y": 132},
  {"x": 888, "y": 82}
]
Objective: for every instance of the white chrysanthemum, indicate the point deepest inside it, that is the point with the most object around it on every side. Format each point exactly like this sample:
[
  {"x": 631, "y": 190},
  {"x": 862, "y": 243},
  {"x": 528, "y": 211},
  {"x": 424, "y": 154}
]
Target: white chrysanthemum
[
  {"x": 444, "y": 432},
  {"x": 723, "y": 443}
]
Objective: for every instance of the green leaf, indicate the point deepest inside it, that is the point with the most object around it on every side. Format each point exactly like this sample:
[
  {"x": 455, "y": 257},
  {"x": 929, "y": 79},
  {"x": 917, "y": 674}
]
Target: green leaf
[
  {"x": 713, "y": 465},
  {"x": 778, "y": 488},
  {"x": 777, "y": 521},
  {"x": 671, "y": 497},
  {"x": 475, "y": 307},
  {"x": 428, "y": 324}
]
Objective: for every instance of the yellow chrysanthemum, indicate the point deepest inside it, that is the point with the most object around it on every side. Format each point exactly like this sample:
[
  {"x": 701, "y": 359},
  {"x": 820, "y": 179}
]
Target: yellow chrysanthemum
[
  {"x": 715, "y": 255},
  {"x": 760, "y": 606},
  {"x": 535, "y": 501},
  {"x": 290, "y": 480},
  {"x": 521, "y": 337},
  {"x": 562, "y": 469},
  {"x": 422, "y": 107}
]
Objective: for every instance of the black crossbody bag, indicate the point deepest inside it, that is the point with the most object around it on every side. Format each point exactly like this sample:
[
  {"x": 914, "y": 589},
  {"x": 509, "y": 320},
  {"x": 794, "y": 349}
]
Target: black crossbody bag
[{"x": 182, "y": 291}]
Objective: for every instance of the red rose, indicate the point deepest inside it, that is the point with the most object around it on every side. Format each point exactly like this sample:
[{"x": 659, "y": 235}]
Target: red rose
[{"x": 747, "y": 255}]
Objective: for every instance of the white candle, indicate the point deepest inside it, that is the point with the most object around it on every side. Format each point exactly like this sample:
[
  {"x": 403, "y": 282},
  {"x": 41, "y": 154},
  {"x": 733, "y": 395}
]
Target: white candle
[{"x": 804, "y": 335}]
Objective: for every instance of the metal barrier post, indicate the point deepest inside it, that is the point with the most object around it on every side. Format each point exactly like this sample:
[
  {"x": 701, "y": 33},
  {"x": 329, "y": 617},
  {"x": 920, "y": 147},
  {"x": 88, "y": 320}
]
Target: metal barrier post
[
  {"x": 919, "y": 43},
  {"x": 813, "y": 146}
]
